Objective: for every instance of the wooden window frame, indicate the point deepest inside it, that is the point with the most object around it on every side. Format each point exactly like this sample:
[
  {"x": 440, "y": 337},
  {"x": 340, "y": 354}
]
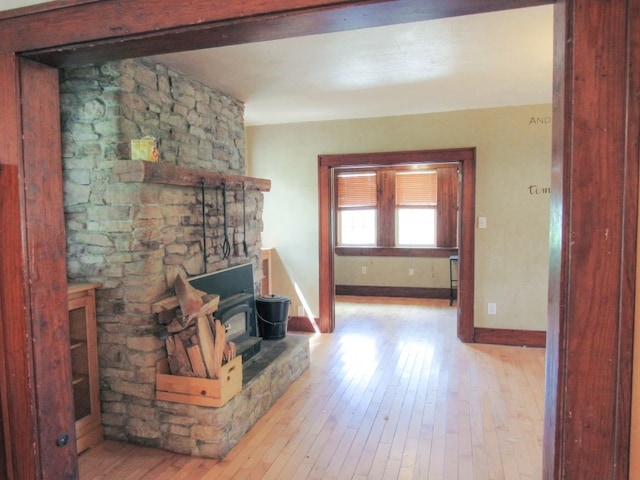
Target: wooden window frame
[
  {"x": 386, "y": 209},
  {"x": 363, "y": 204}
]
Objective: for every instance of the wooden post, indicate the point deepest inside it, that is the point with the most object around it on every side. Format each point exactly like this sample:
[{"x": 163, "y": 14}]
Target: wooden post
[
  {"x": 36, "y": 385},
  {"x": 593, "y": 240}
]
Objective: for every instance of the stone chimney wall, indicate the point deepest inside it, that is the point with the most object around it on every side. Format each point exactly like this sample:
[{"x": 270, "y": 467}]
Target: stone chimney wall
[{"x": 135, "y": 238}]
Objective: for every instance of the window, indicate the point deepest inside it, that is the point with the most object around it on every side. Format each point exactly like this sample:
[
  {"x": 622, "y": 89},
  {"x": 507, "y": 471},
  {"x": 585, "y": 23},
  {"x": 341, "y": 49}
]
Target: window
[
  {"x": 397, "y": 207},
  {"x": 357, "y": 202},
  {"x": 416, "y": 201}
]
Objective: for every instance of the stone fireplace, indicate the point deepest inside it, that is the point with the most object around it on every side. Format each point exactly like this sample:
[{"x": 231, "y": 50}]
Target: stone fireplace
[{"x": 134, "y": 237}]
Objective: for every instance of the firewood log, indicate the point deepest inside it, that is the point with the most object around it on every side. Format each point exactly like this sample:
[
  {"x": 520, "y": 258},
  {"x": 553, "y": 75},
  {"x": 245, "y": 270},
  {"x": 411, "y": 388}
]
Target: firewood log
[
  {"x": 187, "y": 334},
  {"x": 183, "y": 358},
  {"x": 220, "y": 341},
  {"x": 189, "y": 298},
  {"x": 229, "y": 352},
  {"x": 175, "y": 326},
  {"x": 206, "y": 309},
  {"x": 174, "y": 366},
  {"x": 206, "y": 344},
  {"x": 226, "y": 355},
  {"x": 177, "y": 357},
  {"x": 197, "y": 362}
]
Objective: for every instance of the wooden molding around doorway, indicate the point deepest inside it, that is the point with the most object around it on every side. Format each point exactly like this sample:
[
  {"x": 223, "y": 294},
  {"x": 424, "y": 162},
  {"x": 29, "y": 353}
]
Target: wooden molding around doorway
[
  {"x": 594, "y": 244},
  {"x": 465, "y": 157}
]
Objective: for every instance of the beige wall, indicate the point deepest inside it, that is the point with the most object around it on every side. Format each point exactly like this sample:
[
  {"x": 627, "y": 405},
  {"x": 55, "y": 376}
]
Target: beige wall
[
  {"x": 513, "y": 153},
  {"x": 392, "y": 271}
]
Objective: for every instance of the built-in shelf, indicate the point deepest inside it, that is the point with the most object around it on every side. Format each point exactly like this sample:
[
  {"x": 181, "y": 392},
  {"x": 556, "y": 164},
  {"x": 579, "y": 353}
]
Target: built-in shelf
[
  {"x": 84, "y": 364},
  {"x": 140, "y": 171}
]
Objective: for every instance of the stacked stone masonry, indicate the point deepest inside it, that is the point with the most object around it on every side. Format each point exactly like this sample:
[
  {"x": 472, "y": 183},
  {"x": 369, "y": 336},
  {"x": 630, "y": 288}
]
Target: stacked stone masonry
[
  {"x": 213, "y": 432},
  {"x": 135, "y": 238}
]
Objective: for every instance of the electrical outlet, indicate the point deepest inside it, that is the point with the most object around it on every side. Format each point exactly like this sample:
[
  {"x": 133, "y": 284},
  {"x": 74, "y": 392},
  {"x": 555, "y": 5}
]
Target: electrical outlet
[
  {"x": 411, "y": 272},
  {"x": 492, "y": 309},
  {"x": 482, "y": 222},
  {"x": 364, "y": 270},
  {"x": 300, "y": 311}
]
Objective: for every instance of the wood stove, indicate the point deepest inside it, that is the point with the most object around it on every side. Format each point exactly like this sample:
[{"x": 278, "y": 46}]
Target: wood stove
[{"x": 237, "y": 308}]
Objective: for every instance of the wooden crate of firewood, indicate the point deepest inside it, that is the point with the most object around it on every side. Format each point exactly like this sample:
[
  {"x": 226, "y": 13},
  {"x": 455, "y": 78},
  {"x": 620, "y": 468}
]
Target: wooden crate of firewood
[
  {"x": 199, "y": 391},
  {"x": 201, "y": 366}
]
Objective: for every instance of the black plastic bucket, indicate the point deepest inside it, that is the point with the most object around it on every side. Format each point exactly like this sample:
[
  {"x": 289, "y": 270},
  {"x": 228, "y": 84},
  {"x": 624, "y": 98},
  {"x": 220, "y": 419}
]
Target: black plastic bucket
[{"x": 273, "y": 315}]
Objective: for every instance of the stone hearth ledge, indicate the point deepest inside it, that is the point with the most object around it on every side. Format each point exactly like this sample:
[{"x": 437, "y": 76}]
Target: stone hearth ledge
[{"x": 212, "y": 432}]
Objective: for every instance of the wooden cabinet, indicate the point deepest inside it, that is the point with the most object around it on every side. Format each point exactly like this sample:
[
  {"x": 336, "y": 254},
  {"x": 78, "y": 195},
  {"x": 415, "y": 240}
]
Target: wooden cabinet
[{"x": 84, "y": 364}]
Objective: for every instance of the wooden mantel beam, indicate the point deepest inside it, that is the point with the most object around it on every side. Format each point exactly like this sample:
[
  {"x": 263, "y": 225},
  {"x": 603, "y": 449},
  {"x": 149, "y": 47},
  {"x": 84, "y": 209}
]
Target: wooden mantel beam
[{"x": 140, "y": 171}]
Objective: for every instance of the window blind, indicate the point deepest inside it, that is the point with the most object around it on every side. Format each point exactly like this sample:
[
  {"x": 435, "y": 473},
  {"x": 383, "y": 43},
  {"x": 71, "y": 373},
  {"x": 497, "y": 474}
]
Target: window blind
[
  {"x": 357, "y": 190},
  {"x": 416, "y": 189}
]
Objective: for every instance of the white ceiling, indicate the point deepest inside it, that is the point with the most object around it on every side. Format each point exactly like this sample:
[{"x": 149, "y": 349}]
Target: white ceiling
[{"x": 476, "y": 61}]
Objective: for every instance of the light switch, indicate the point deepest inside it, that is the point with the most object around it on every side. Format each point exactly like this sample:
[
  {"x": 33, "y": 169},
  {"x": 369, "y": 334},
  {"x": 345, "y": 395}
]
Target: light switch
[{"x": 482, "y": 222}]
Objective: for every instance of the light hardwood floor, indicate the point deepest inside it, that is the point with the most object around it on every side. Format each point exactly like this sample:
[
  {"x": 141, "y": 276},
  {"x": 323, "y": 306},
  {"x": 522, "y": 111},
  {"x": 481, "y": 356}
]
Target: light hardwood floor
[{"x": 392, "y": 394}]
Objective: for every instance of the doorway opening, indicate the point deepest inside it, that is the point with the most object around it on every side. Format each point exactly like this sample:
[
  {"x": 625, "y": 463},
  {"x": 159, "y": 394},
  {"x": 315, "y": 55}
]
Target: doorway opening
[
  {"x": 581, "y": 151},
  {"x": 464, "y": 160}
]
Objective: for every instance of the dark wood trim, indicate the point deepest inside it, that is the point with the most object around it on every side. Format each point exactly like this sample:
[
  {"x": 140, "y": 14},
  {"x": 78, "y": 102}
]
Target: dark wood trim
[
  {"x": 303, "y": 324},
  {"x": 629, "y": 250},
  {"x": 466, "y": 253},
  {"x": 3, "y": 461},
  {"x": 395, "y": 252},
  {"x": 326, "y": 226},
  {"x": 381, "y": 159},
  {"x": 46, "y": 269},
  {"x": 19, "y": 423},
  {"x": 595, "y": 106},
  {"x": 386, "y": 209},
  {"x": 381, "y": 291},
  {"x": 447, "y": 207},
  {"x": 516, "y": 338},
  {"x": 132, "y": 171},
  {"x": 38, "y": 401},
  {"x": 434, "y": 166},
  {"x": 101, "y": 31},
  {"x": 556, "y": 365},
  {"x": 41, "y": 7},
  {"x": 7, "y": 65},
  {"x": 593, "y": 244},
  {"x": 328, "y": 164}
]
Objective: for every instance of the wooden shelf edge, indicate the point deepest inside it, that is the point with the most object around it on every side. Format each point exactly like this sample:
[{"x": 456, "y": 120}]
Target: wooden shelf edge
[
  {"x": 139, "y": 171},
  {"x": 73, "y": 288}
]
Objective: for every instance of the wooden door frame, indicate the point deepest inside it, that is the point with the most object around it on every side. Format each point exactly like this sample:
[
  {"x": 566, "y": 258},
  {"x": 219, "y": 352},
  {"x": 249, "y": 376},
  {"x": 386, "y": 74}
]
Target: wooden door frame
[
  {"x": 4, "y": 465},
  {"x": 327, "y": 164},
  {"x": 39, "y": 427},
  {"x": 594, "y": 199},
  {"x": 593, "y": 244}
]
